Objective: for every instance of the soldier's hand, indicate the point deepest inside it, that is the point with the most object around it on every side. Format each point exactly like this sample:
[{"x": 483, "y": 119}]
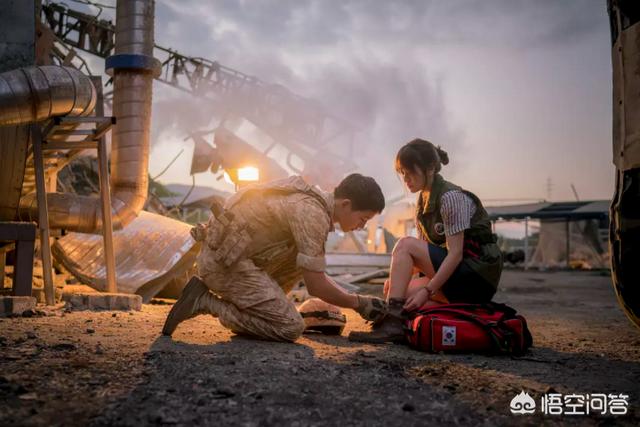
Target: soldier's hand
[
  {"x": 371, "y": 308},
  {"x": 199, "y": 232}
]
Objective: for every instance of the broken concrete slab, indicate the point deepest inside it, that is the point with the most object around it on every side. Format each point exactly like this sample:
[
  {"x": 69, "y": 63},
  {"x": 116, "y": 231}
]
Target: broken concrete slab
[
  {"x": 12, "y": 305},
  {"x": 102, "y": 301}
]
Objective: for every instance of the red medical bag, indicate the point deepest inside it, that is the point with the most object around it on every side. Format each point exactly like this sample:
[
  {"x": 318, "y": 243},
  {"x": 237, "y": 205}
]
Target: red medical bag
[{"x": 472, "y": 328}]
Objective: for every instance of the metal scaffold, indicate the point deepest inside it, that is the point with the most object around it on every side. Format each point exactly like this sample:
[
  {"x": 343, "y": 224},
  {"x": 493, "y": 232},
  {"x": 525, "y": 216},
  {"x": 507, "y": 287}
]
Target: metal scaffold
[{"x": 300, "y": 124}]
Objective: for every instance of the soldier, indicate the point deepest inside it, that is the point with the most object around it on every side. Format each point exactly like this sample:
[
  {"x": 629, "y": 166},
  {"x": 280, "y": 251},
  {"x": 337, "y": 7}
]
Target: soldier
[{"x": 266, "y": 239}]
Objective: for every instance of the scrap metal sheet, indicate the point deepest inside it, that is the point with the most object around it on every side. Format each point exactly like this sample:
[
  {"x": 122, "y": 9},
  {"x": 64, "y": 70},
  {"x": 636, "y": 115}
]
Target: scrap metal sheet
[{"x": 149, "y": 252}]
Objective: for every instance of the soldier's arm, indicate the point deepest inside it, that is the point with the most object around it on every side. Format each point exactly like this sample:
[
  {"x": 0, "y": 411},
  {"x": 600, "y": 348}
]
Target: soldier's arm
[
  {"x": 321, "y": 286},
  {"x": 310, "y": 226}
]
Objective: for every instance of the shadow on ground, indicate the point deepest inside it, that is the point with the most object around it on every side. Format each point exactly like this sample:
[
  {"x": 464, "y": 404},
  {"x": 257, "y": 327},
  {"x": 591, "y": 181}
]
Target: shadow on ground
[{"x": 248, "y": 382}]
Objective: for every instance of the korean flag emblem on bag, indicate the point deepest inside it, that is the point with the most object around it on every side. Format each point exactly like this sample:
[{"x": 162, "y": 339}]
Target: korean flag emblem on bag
[{"x": 449, "y": 335}]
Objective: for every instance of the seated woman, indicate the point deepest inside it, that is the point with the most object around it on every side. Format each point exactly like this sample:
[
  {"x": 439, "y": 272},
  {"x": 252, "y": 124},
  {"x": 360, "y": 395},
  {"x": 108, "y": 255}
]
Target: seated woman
[{"x": 456, "y": 253}]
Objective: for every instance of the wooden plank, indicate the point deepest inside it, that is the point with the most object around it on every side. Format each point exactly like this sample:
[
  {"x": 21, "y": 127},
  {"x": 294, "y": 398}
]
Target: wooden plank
[
  {"x": 23, "y": 273},
  {"x": 43, "y": 216},
  {"x": 365, "y": 277},
  {"x": 14, "y": 141},
  {"x": 364, "y": 261},
  {"x": 14, "y": 231}
]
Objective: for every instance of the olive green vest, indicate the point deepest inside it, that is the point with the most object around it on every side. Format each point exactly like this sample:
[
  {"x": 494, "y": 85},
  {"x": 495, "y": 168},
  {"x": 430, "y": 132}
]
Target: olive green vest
[{"x": 431, "y": 228}]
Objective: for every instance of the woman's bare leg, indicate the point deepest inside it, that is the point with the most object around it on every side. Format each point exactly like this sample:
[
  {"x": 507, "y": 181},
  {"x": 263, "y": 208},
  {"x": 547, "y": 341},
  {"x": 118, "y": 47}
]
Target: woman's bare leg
[
  {"x": 407, "y": 253},
  {"x": 416, "y": 284},
  {"x": 412, "y": 288}
]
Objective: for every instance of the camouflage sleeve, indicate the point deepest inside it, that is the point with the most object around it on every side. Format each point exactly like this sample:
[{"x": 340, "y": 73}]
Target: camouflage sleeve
[{"x": 310, "y": 225}]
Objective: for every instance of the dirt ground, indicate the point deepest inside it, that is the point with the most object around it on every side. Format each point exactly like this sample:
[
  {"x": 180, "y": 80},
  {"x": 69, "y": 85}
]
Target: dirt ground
[{"x": 114, "y": 368}]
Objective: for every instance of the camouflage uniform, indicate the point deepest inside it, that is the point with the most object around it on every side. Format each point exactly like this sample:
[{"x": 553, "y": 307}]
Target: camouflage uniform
[{"x": 274, "y": 231}]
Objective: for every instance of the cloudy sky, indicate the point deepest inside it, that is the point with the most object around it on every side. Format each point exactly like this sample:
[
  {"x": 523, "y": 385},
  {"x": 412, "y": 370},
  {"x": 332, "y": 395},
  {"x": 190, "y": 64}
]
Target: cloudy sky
[{"x": 518, "y": 92}]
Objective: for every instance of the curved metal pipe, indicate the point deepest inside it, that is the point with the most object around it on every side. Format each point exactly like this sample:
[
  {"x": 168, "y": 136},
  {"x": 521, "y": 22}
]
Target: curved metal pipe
[
  {"x": 32, "y": 94},
  {"x": 130, "y": 136},
  {"x": 132, "y": 109}
]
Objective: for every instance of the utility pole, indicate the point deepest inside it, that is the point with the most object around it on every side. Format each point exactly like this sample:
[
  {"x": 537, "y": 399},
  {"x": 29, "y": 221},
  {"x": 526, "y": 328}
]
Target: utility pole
[{"x": 575, "y": 193}]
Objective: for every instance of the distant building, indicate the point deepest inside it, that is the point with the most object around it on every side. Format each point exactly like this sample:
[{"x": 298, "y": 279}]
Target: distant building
[{"x": 572, "y": 234}]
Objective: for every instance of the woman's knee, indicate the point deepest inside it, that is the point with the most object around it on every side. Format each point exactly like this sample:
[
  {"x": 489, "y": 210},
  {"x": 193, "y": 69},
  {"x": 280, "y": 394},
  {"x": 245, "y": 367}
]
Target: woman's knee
[{"x": 404, "y": 245}]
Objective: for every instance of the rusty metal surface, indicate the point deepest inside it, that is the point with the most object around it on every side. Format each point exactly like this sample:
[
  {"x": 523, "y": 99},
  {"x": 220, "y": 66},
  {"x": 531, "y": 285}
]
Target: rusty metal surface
[{"x": 150, "y": 252}]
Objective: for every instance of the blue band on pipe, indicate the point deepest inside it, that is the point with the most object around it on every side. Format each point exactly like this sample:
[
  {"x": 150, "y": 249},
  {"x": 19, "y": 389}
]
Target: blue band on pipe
[{"x": 132, "y": 61}]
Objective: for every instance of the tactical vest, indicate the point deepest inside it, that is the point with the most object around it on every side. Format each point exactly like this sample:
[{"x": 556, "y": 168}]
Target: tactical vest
[
  {"x": 293, "y": 184},
  {"x": 230, "y": 236},
  {"x": 480, "y": 252}
]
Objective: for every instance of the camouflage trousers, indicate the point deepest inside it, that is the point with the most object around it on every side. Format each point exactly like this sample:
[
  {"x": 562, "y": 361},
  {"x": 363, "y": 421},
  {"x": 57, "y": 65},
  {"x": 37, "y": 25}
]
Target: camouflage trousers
[{"x": 251, "y": 302}]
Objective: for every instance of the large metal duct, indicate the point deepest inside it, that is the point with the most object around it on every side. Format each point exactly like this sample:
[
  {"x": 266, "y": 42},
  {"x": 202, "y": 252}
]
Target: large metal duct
[
  {"x": 133, "y": 68},
  {"x": 33, "y": 94}
]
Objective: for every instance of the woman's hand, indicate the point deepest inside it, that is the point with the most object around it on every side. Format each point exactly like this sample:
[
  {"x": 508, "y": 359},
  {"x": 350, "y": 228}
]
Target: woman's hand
[
  {"x": 387, "y": 286},
  {"x": 417, "y": 300}
]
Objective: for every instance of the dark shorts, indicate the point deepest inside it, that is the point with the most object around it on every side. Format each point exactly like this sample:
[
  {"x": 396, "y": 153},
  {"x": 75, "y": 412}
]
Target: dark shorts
[{"x": 464, "y": 285}]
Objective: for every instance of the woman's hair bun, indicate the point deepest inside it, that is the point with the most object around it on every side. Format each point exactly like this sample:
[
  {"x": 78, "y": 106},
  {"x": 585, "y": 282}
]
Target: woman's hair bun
[{"x": 444, "y": 157}]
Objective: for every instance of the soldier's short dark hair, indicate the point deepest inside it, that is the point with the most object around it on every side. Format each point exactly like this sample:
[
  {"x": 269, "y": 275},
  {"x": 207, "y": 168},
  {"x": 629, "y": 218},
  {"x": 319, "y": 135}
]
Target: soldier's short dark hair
[{"x": 363, "y": 192}]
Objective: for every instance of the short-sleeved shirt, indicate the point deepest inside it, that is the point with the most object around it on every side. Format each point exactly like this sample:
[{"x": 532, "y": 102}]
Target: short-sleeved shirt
[
  {"x": 456, "y": 209},
  {"x": 289, "y": 232},
  {"x": 310, "y": 225}
]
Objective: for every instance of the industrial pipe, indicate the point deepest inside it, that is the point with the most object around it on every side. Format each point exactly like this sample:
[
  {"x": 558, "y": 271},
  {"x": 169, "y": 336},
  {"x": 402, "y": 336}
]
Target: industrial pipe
[
  {"x": 33, "y": 94},
  {"x": 133, "y": 68}
]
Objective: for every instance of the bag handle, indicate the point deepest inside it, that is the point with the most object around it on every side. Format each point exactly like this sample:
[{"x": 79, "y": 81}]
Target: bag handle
[{"x": 492, "y": 307}]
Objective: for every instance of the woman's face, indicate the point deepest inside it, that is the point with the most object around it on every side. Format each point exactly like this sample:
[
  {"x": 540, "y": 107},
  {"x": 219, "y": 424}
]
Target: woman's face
[{"x": 414, "y": 180}]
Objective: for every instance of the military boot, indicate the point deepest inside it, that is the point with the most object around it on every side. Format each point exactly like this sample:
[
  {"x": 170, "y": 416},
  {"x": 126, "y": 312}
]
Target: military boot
[
  {"x": 389, "y": 329},
  {"x": 195, "y": 299}
]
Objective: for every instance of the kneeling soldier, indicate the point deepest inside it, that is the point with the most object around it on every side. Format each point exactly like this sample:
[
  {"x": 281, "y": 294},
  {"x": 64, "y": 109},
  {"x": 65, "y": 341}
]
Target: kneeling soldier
[{"x": 266, "y": 239}]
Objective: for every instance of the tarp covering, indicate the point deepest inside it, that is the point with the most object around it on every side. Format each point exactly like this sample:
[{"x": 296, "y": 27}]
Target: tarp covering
[{"x": 586, "y": 247}]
